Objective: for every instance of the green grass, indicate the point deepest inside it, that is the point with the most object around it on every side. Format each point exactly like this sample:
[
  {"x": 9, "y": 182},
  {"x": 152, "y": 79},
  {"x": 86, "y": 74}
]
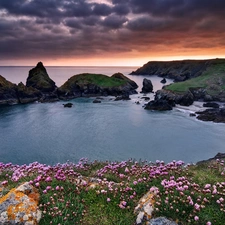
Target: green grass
[
  {"x": 68, "y": 199},
  {"x": 213, "y": 80},
  {"x": 97, "y": 79}
]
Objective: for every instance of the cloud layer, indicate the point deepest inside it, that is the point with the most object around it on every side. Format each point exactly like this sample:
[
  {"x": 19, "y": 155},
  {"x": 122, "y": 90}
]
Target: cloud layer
[{"x": 92, "y": 28}]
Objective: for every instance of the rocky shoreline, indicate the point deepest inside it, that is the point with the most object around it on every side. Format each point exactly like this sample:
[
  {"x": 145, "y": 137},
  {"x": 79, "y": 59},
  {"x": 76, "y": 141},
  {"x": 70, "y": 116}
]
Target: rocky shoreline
[{"x": 40, "y": 87}]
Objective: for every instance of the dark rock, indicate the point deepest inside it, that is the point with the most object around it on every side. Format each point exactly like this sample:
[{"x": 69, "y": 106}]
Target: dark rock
[
  {"x": 159, "y": 105},
  {"x": 217, "y": 156},
  {"x": 38, "y": 78},
  {"x": 145, "y": 98},
  {"x": 216, "y": 115},
  {"x": 147, "y": 86},
  {"x": 137, "y": 102},
  {"x": 27, "y": 94},
  {"x": 185, "y": 99},
  {"x": 211, "y": 104},
  {"x": 192, "y": 114},
  {"x": 163, "y": 81},
  {"x": 68, "y": 105},
  {"x": 122, "y": 77},
  {"x": 8, "y": 92},
  {"x": 122, "y": 97},
  {"x": 198, "y": 93},
  {"x": 96, "y": 101}
]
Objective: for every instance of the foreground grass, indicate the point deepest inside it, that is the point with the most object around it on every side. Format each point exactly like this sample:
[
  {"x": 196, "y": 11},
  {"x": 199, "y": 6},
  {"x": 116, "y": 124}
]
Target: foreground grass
[
  {"x": 107, "y": 192},
  {"x": 212, "y": 80}
]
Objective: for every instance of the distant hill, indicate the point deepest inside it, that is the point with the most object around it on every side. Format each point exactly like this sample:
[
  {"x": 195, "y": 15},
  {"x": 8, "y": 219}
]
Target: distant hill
[{"x": 177, "y": 70}]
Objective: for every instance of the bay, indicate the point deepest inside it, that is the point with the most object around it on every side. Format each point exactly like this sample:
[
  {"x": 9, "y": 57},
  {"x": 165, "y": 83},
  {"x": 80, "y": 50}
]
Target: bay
[{"x": 49, "y": 133}]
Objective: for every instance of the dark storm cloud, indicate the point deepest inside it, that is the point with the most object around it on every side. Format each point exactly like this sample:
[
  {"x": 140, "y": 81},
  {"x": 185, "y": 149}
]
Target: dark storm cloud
[{"x": 77, "y": 27}]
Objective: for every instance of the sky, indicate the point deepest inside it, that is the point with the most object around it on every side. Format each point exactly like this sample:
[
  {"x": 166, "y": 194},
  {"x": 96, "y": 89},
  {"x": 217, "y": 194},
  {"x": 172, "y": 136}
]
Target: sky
[{"x": 110, "y": 32}]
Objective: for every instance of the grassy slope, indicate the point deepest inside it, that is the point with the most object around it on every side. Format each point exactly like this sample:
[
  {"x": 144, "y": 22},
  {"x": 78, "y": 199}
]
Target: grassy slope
[
  {"x": 97, "y": 79},
  {"x": 213, "y": 80}
]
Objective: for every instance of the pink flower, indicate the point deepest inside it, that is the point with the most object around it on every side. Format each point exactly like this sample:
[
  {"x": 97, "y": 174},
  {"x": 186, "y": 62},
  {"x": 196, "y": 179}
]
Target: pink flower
[
  {"x": 108, "y": 199},
  {"x": 57, "y": 188},
  {"x": 207, "y": 186},
  {"x": 208, "y": 223},
  {"x": 37, "y": 184},
  {"x": 196, "y": 218}
]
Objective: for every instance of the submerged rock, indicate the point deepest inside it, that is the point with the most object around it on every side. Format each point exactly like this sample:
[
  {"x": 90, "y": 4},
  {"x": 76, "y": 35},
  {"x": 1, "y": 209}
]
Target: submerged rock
[{"x": 68, "y": 105}]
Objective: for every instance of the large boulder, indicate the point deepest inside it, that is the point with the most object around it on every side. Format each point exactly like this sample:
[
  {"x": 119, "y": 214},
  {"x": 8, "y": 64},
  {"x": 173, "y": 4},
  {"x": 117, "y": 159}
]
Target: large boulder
[
  {"x": 8, "y": 92},
  {"x": 216, "y": 115},
  {"x": 159, "y": 105},
  {"x": 147, "y": 86},
  {"x": 38, "y": 78},
  {"x": 27, "y": 94},
  {"x": 185, "y": 99},
  {"x": 20, "y": 206}
]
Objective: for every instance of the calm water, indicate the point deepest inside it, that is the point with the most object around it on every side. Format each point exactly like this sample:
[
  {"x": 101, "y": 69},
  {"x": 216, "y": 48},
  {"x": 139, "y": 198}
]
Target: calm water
[{"x": 50, "y": 133}]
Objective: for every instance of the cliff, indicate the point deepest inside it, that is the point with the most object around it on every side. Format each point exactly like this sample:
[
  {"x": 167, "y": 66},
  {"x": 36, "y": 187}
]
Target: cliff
[{"x": 176, "y": 70}]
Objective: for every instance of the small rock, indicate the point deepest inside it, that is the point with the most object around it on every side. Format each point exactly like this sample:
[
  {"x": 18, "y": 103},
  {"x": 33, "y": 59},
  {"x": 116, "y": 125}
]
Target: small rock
[
  {"x": 163, "y": 81},
  {"x": 160, "y": 221},
  {"x": 68, "y": 105},
  {"x": 211, "y": 105},
  {"x": 96, "y": 101},
  {"x": 145, "y": 98},
  {"x": 147, "y": 86},
  {"x": 192, "y": 114}
]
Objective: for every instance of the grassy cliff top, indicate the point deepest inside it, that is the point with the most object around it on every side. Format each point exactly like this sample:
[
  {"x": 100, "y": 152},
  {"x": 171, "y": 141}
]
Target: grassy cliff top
[
  {"x": 212, "y": 79},
  {"x": 96, "y": 79}
]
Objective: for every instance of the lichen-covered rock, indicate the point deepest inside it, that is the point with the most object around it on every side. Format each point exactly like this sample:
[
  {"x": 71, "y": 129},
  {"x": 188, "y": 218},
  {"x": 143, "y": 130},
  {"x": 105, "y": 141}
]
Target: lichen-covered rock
[
  {"x": 160, "y": 221},
  {"x": 145, "y": 206},
  {"x": 20, "y": 206},
  {"x": 8, "y": 94}
]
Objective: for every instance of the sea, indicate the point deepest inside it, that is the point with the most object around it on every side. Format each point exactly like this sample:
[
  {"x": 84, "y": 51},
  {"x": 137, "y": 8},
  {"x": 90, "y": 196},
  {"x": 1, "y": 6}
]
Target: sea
[{"x": 108, "y": 131}]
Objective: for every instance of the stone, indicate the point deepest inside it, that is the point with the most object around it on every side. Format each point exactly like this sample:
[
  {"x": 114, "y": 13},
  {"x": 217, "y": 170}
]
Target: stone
[
  {"x": 68, "y": 105},
  {"x": 145, "y": 206},
  {"x": 122, "y": 77},
  {"x": 163, "y": 81},
  {"x": 147, "y": 86},
  {"x": 216, "y": 115},
  {"x": 159, "y": 105},
  {"x": 20, "y": 206},
  {"x": 160, "y": 221},
  {"x": 192, "y": 114},
  {"x": 145, "y": 98},
  {"x": 211, "y": 105},
  {"x": 96, "y": 101},
  {"x": 122, "y": 97}
]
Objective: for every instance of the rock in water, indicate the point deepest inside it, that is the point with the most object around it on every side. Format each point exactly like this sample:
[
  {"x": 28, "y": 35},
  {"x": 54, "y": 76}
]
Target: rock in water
[
  {"x": 20, "y": 206},
  {"x": 68, "y": 105},
  {"x": 8, "y": 92},
  {"x": 38, "y": 78},
  {"x": 122, "y": 77},
  {"x": 163, "y": 81},
  {"x": 147, "y": 86},
  {"x": 211, "y": 105},
  {"x": 159, "y": 105}
]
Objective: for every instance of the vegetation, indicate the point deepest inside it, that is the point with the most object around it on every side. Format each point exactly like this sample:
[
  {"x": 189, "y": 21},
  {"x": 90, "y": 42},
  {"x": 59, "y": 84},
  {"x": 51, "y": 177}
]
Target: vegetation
[
  {"x": 97, "y": 79},
  {"x": 212, "y": 80},
  {"x": 107, "y": 192}
]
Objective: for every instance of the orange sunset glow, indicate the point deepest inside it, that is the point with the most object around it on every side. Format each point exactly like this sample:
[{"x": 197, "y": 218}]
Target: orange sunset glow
[{"x": 110, "y": 32}]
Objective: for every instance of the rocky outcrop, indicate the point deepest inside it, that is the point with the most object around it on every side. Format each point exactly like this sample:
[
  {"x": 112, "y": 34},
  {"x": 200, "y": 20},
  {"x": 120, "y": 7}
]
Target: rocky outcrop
[
  {"x": 211, "y": 105},
  {"x": 163, "y": 81},
  {"x": 38, "y": 78},
  {"x": 124, "y": 97},
  {"x": 185, "y": 99},
  {"x": 176, "y": 70},
  {"x": 216, "y": 115},
  {"x": 89, "y": 85},
  {"x": 68, "y": 105},
  {"x": 159, "y": 105},
  {"x": 27, "y": 94},
  {"x": 20, "y": 206},
  {"x": 122, "y": 77},
  {"x": 147, "y": 86},
  {"x": 8, "y": 92},
  {"x": 218, "y": 156}
]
